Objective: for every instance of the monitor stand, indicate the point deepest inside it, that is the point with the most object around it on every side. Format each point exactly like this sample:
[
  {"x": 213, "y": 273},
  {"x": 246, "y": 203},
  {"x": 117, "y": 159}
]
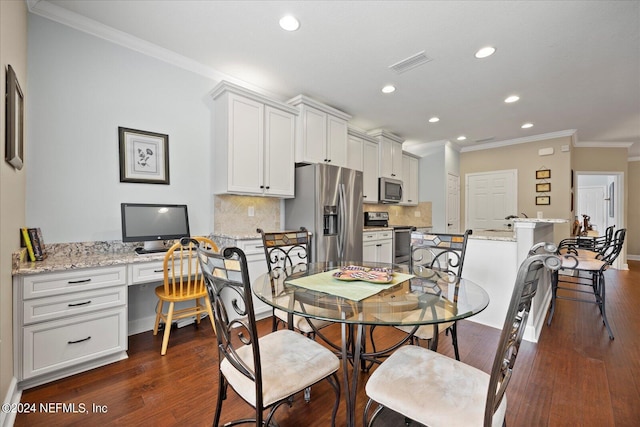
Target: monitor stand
[{"x": 152, "y": 247}]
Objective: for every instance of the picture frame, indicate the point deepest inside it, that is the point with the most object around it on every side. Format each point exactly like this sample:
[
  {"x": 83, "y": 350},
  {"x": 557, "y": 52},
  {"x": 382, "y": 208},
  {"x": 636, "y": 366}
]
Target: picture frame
[
  {"x": 144, "y": 156},
  {"x": 543, "y": 174},
  {"x": 543, "y": 200},
  {"x": 544, "y": 187},
  {"x": 14, "y": 132}
]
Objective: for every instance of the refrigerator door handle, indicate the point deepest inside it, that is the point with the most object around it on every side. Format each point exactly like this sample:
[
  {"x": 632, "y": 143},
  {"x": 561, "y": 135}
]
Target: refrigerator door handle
[{"x": 341, "y": 219}]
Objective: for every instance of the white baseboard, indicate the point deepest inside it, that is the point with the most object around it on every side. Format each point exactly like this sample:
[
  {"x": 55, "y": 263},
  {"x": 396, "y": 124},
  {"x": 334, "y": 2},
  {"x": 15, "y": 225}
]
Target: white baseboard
[
  {"x": 633, "y": 257},
  {"x": 12, "y": 397}
]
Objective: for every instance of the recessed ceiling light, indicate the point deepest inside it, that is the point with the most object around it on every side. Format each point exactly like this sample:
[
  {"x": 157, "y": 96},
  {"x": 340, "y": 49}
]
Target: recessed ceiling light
[
  {"x": 461, "y": 138},
  {"x": 388, "y": 89},
  {"x": 527, "y": 125},
  {"x": 289, "y": 23},
  {"x": 485, "y": 51},
  {"x": 434, "y": 120},
  {"x": 512, "y": 98}
]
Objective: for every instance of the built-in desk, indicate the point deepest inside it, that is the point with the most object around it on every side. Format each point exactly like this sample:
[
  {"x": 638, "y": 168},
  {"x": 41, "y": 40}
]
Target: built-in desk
[{"x": 73, "y": 311}]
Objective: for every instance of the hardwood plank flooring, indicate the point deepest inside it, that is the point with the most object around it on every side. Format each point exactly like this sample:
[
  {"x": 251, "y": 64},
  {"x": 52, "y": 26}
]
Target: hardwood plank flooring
[{"x": 574, "y": 376}]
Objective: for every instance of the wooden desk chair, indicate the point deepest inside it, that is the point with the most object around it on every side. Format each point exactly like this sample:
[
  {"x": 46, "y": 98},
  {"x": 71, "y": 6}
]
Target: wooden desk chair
[
  {"x": 445, "y": 253},
  {"x": 288, "y": 251},
  {"x": 183, "y": 281},
  {"x": 433, "y": 389},
  {"x": 266, "y": 372},
  {"x": 582, "y": 269}
]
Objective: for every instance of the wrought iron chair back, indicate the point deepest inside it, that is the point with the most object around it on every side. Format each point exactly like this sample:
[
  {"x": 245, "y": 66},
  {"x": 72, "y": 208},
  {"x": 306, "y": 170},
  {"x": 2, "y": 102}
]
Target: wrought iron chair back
[
  {"x": 438, "y": 251},
  {"x": 286, "y": 249}
]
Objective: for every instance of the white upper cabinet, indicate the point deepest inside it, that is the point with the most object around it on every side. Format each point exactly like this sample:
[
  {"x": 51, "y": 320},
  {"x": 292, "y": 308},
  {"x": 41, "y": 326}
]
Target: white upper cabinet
[
  {"x": 322, "y": 132},
  {"x": 390, "y": 153},
  {"x": 410, "y": 181},
  {"x": 254, "y": 143},
  {"x": 363, "y": 155}
]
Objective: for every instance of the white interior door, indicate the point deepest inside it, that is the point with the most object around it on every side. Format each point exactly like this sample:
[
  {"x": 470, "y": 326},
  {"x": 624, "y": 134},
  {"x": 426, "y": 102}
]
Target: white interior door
[
  {"x": 490, "y": 198},
  {"x": 453, "y": 203},
  {"x": 591, "y": 202}
]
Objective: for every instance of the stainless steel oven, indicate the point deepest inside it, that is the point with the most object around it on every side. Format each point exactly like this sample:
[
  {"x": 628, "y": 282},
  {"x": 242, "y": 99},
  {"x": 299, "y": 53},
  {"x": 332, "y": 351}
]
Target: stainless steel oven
[{"x": 401, "y": 244}]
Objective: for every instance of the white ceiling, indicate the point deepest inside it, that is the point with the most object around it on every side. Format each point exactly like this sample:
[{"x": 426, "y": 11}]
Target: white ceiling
[{"x": 574, "y": 64}]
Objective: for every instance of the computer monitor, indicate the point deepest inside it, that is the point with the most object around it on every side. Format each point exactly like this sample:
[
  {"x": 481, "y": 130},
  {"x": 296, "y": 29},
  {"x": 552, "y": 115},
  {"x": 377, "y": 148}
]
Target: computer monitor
[{"x": 153, "y": 224}]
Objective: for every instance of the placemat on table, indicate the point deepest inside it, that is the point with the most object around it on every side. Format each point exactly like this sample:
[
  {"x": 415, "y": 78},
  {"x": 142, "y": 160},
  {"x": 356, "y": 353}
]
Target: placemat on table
[{"x": 354, "y": 290}]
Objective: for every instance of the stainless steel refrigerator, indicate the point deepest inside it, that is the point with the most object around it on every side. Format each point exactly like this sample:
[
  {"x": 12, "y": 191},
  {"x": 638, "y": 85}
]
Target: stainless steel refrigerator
[{"x": 328, "y": 202}]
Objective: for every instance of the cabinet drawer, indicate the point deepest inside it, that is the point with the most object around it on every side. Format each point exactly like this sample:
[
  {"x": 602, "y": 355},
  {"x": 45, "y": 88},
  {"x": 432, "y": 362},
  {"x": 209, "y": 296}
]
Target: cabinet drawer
[
  {"x": 51, "y": 346},
  {"x": 55, "y": 307},
  {"x": 154, "y": 271},
  {"x": 369, "y": 236},
  {"x": 47, "y": 284},
  {"x": 385, "y": 235},
  {"x": 250, "y": 247}
]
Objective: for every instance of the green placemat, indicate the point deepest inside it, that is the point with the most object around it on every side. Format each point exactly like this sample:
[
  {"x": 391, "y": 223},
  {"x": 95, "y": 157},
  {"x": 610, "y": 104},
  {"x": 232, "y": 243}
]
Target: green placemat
[{"x": 354, "y": 290}]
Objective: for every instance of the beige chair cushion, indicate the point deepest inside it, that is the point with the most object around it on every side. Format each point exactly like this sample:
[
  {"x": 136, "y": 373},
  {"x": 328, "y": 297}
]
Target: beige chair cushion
[
  {"x": 300, "y": 322},
  {"x": 585, "y": 264},
  {"x": 581, "y": 253},
  {"x": 442, "y": 391},
  {"x": 290, "y": 361},
  {"x": 425, "y": 332}
]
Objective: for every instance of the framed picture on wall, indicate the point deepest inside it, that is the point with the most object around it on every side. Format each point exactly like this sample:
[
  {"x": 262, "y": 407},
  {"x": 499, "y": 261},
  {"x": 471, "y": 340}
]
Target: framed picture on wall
[
  {"x": 144, "y": 156},
  {"x": 543, "y": 200},
  {"x": 14, "y": 132},
  {"x": 545, "y": 187},
  {"x": 543, "y": 174}
]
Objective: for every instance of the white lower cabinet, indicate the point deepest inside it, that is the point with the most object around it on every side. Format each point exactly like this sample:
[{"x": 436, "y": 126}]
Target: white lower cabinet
[
  {"x": 377, "y": 246},
  {"x": 67, "y": 322}
]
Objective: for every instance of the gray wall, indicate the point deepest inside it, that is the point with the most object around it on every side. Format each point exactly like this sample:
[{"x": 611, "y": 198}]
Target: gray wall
[{"x": 82, "y": 88}]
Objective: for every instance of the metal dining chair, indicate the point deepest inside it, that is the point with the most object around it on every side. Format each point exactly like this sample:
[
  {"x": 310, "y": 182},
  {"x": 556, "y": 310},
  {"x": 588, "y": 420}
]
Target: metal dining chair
[
  {"x": 287, "y": 252},
  {"x": 265, "y": 372},
  {"x": 580, "y": 271},
  {"x": 444, "y": 253},
  {"x": 432, "y": 389}
]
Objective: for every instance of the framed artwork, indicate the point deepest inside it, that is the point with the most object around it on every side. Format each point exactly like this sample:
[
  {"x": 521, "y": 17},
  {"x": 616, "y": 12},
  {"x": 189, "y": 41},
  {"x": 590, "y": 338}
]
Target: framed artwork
[
  {"x": 144, "y": 156},
  {"x": 545, "y": 187},
  {"x": 543, "y": 174},
  {"x": 543, "y": 200},
  {"x": 14, "y": 133}
]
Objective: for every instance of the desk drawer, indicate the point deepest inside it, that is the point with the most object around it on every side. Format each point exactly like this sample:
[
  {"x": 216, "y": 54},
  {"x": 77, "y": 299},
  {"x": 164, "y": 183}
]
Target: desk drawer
[
  {"x": 55, "y": 307},
  {"x": 48, "y": 284},
  {"x": 150, "y": 272},
  {"x": 51, "y": 346}
]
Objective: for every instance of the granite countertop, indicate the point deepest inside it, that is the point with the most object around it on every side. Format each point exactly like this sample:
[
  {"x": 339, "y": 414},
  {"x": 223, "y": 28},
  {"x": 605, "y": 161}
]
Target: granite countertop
[
  {"x": 551, "y": 220},
  {"x": 502, "y": 235}
]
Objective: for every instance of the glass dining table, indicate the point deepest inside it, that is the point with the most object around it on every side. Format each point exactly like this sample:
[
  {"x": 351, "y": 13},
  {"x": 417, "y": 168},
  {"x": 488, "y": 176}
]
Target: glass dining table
[{"x": 358, "y": 295}]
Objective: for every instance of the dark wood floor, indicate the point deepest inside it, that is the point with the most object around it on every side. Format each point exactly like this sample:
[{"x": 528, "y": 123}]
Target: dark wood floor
[{"x": 574, "y": 376}]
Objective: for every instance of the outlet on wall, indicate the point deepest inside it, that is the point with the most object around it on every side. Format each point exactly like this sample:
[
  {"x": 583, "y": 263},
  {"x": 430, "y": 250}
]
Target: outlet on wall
[
  {"x": 251, "y": 211},
  {"x": 417, "y": 214}
]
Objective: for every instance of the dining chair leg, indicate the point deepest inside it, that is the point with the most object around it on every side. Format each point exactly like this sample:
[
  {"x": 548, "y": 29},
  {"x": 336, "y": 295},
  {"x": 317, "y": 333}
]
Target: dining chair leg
[
  {"x": 167, "y": 329},
  {"x": 454, "y": 339},
  {"x": 601, "y": 286},
  {"x": 210, "y": 313},
  {"x": 158, "y": 315},
  {"x": 554, "y": 294}
]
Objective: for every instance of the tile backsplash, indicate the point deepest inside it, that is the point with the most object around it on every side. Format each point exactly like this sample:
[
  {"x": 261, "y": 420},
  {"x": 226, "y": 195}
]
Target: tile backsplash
[
  {"x": 232, "y": 214},
  {"x": 405, "y": 215}
]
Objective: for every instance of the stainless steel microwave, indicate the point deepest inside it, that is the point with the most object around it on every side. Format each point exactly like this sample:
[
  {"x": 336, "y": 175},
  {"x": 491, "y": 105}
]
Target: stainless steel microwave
[{"x": 389, "y": 190}]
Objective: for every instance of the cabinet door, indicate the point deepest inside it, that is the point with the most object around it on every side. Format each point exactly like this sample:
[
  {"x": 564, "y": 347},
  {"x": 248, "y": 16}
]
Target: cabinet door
[
  {"x": 370, "y": 172},
  {"x": 313, "y": 135},
  {"x": 355, "y": 159},
  {"x": 369, "y": 252},
  {"x": 396, "y": 160},
  {"x": 385, "y": 158},
  {"x": 337, "y": 141},
  {"x": 410, "y": 180},
  {"x": 279, "y": 162},
  {"x": 385, "y": 251},
  {"x": 246, "y": 142}
]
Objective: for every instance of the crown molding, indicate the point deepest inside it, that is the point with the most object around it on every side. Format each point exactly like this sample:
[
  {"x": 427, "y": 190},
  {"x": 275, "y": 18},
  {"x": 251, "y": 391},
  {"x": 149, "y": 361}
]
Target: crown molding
[
  {"x": 560, "y": 134},
  {"x": 596, "y": 144},
  {"x": 634, "y": 159},
  {"x": 78, "y": 22}
]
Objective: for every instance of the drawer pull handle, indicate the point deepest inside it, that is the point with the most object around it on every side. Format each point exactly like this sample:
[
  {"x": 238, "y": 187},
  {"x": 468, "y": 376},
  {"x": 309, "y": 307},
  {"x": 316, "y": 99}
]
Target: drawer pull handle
[
  {"x": 75, "y": 282},
  {"x": 76, "y": 342},
  {"x": 160, "y": 271},
  {"x": 79, "y": 303},
  {"x": 259, "y": 246}
]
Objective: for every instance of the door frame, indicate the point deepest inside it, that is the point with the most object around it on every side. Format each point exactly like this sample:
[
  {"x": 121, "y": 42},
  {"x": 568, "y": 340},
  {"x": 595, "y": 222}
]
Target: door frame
[{"x": 619, "y": 206}]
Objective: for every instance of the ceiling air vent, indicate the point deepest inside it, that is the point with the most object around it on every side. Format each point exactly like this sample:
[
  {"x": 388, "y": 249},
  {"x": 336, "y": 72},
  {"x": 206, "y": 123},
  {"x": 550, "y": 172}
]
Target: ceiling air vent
[
  {"x": 410, "y": 62},
  {"x": 491, "y": 138}
]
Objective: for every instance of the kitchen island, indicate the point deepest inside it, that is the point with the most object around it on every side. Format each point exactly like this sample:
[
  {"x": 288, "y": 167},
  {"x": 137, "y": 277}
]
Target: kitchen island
[{"x": 492, "y": 260}]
